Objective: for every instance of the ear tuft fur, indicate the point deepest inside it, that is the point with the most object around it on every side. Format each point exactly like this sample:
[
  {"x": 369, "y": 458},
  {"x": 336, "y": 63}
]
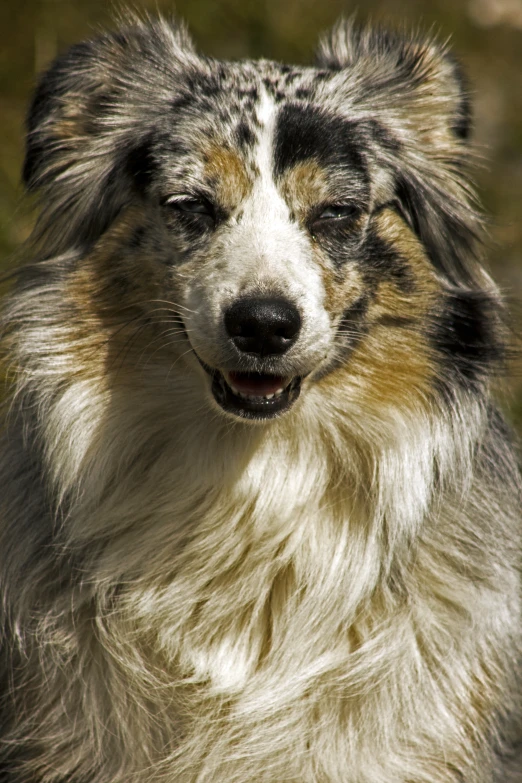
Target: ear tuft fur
[
  {"x": 91, "y": 109},
  {"x": 401, "y": 62}
]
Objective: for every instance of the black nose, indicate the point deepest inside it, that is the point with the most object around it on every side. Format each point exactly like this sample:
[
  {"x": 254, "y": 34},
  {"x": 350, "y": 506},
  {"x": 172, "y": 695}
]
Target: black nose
[{"x": 263, "y": 326}]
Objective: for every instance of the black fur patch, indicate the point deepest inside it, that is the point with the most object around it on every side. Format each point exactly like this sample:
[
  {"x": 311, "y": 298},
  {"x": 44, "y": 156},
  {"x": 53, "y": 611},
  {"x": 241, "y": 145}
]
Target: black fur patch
[
  {"x": 382, "y": 261},
  {"x": 307, "y": 132},
  {"x": 382, "y": 135},
  {"x": 245, "y": 135},
  {"x": 464, "y": 332},
  {"x": 137, "y": 237},
  {"x": 356, "y": 311},
  {"x": 205, "y": 85},
  {"x": 449, "y": 240},
  {"x": 181, "y": 102},
  {"x": 340, "y": 240},
  {"x": 141, "y": 164},
  {"x": 462, "y": 122},
  {"x": 249, "y": 95}
]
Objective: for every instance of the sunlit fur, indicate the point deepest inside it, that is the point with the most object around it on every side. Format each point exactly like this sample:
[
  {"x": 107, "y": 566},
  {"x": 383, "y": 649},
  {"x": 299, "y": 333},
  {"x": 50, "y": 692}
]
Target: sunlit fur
[{"x": 331, "y": 595}]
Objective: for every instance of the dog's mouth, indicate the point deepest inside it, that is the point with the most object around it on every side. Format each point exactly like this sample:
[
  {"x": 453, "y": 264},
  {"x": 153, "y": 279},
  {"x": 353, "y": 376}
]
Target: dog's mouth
[{"x": 254, "y": 395}]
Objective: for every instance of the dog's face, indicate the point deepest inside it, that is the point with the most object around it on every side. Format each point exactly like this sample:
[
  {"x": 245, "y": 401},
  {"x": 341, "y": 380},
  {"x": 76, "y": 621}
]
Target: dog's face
[
  {"x": 275, "y": 240},
  {"x": 275, "y": 225},
  {"x": 240, "y": 210},
  {"x": 267, "y": 214}
]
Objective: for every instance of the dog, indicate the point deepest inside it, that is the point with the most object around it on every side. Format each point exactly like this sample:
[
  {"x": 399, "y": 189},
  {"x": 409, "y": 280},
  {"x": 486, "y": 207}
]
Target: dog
[{"x": 259, "y": 512}]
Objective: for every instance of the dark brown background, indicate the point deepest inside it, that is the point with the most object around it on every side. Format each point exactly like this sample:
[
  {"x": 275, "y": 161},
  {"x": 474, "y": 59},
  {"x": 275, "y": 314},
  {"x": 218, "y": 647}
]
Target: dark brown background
[{"x": 485, "y": 34}]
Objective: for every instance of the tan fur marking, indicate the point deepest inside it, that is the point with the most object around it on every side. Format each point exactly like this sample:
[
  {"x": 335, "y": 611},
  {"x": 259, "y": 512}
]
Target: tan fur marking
[
  {"x": 391, "y": 367},
  {"x": 389, "y": 299},
  {"x": 111, "y": 302},
  {"x": 396, "y": 361},
  {"x": 303, "y": 186},
  {"x": 340, "y": 293},
  {"x": 72, "y": 120},
  {"x": 232, "y": 181},
  {"x": 393, "y": 230}
]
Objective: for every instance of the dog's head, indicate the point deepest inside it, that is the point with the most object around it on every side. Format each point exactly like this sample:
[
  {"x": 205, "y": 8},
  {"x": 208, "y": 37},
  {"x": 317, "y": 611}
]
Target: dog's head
[{"x": 275, "y": 225}]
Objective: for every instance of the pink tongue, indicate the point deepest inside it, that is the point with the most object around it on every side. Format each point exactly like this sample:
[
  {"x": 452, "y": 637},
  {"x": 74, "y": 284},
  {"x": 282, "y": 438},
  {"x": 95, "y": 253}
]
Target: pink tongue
[{"x": 257, "y": 384}]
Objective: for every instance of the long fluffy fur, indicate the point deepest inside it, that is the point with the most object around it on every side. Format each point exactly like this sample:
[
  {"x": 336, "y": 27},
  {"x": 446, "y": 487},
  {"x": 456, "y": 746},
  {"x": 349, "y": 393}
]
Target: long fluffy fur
[{"x": 328, "y": 596}]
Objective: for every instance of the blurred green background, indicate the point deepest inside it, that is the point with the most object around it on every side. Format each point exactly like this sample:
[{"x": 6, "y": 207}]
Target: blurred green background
[{"x": 485, "y": 34}]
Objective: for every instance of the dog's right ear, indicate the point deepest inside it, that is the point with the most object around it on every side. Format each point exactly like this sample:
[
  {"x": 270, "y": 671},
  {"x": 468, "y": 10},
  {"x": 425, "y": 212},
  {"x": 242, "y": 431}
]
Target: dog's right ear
[
  {"x": 47, "y": 123},
  {"x": 91, "y": 119}
]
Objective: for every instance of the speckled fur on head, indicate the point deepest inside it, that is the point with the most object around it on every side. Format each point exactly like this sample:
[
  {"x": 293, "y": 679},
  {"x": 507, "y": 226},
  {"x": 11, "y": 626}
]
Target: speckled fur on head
[{"x": 259, "y": 517}]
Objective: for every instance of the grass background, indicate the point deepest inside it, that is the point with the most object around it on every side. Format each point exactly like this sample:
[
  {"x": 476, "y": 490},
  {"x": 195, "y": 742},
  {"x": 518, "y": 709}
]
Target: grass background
[{"x": 485, "y": 34}]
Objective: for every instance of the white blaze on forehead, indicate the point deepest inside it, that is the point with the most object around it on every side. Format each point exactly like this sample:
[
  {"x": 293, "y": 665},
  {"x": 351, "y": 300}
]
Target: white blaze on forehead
[
  {"x": 265, "y": 196},
  {"x": 266, "y": 116},
  {"x": 275, "y": 241},
  {"x": 266, "y": 108}
]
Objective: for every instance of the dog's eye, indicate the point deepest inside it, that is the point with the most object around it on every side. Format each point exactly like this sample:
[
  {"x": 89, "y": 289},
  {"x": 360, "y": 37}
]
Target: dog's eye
[
  {"x": 190, "y": 205},
  {"x": 337, "y": 212},
  {"x": 334, "y": 216},
  {"x": 195, "y": 206}
]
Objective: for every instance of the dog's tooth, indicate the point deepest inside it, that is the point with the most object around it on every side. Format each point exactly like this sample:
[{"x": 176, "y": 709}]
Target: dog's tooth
[{"x": 247, "y": 396}]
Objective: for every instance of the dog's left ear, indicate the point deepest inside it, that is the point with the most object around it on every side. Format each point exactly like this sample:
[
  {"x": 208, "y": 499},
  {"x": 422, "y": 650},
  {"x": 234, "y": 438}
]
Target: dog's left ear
[
  {"x": 414, "y": 90},
  {"x": 407, "y": 69}
]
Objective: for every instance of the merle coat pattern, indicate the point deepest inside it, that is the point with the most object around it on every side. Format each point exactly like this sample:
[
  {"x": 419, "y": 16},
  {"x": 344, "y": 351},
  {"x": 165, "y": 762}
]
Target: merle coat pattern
[{"x": 259, "y": 517}]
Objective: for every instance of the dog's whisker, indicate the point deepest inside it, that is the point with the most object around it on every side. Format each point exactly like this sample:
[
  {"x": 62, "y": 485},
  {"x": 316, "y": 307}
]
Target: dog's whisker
[{"x": 171, "y": 304}]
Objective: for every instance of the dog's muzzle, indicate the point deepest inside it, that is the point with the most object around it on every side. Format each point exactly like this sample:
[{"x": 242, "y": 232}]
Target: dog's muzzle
[{"x": 260, "y": 330}]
